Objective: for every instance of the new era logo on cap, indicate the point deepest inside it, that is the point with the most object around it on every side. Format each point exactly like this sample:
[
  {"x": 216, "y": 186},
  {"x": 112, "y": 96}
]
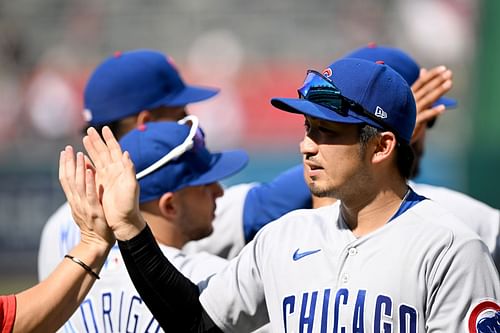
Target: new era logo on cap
[{"x": 379, "y": 112}]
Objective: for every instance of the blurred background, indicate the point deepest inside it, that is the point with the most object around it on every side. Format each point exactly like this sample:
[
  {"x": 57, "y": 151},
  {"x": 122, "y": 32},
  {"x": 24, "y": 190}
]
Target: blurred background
[{"x": 253, "y": 50}]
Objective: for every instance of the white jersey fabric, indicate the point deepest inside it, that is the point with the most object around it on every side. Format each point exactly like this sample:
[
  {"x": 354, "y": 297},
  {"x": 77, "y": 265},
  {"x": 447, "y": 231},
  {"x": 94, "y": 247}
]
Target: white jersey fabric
[
  {"x": 114, "y": 305},
  {"x": 478, "y": 216},
  {"x": 421, "y": 272}
]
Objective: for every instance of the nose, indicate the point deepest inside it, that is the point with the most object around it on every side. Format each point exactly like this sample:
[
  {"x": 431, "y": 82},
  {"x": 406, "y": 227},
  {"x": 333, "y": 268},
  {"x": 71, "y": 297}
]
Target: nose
[
  {"x": 217, "y": 190},
  {"x": 308, "y": 147}
]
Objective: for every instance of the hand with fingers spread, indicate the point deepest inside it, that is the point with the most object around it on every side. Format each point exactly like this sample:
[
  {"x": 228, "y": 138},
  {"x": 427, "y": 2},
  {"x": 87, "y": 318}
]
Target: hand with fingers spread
[
  {"x": 117, "y": 186},
  {"x": 78, "y": 182},
  {"x": 430, "y": 86}
]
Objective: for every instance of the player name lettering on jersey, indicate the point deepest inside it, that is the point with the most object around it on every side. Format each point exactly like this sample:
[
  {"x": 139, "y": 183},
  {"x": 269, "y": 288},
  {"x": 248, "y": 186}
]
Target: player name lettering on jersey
[
  {"x": 320, "y": 310},
  {"x": 113, "y": 312}
]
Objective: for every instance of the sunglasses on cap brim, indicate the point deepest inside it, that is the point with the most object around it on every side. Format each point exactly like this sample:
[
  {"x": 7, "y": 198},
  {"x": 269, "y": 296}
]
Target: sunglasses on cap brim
[
  {"x": 194, "y": 139},
  {"x": 321, "y": 90}
]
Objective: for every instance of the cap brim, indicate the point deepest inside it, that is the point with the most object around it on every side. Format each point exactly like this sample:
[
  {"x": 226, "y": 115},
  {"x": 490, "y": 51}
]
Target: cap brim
[
  {"x": 449, "y": 103},
  {"x": 223, "y": 165},
  {"x": 303, "y": 106},
  {"x": 190, "y": 94}
]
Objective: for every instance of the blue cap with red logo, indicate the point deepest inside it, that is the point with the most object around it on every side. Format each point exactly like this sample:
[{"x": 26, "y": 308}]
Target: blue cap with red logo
[
  {"x": 400, "y": 61},
  {"x": 193, "y": 167},
  {"x": 129, "y": 82},
  {"x": 356, "y": 91}
]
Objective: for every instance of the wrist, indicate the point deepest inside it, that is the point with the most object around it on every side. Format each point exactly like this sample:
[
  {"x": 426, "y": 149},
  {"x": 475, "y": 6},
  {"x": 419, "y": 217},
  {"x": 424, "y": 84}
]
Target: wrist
[
  {"x": 128, "y": 230},
  {"x": 93, "y": 254}
]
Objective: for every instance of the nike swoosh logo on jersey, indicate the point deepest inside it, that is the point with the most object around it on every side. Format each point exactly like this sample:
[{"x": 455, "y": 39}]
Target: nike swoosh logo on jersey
[{"x": 297, "y": 255}]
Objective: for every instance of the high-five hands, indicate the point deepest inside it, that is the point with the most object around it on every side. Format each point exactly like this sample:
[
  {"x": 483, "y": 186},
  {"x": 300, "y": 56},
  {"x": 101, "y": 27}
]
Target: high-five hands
[
  {"x": 117, "y": 186},
  {"x": 77, "y": 178},
  {"x": 429, "y": 87}
]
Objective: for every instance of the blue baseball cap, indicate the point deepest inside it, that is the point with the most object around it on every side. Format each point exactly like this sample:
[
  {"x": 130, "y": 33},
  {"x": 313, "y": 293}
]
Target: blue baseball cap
[
  {"x": 356, "y": 91},
  {"x": 197, "y": 166},
  {"x": 400, "y": 61},
  {"x": 129, "y": 82}
]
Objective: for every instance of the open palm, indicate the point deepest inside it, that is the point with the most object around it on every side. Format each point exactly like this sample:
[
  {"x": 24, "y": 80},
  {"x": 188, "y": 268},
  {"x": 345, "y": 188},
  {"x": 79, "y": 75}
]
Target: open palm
[{"x": 116, "y": 183}]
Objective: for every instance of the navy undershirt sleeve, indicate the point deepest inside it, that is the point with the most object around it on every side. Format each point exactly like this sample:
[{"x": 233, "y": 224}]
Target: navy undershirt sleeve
[
  {"x": 172, "y": 298},
  {"x": 267, "y": 202}
]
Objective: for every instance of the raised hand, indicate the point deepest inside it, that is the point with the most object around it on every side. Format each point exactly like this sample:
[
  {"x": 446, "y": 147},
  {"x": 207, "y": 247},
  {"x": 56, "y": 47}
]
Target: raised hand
[
  {"x": 117, "y": 186},
  {"x": 430, "y": 86},
  {"x": 78, "y": 182}
]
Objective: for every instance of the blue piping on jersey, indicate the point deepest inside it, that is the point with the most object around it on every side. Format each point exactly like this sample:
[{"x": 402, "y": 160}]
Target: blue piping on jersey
[{"x": 410, "y": 200}]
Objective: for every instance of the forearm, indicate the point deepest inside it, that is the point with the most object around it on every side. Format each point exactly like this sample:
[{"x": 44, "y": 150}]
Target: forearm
[
  {"x": 171, "y": 297},
  {"x": 48, "y": 305}
]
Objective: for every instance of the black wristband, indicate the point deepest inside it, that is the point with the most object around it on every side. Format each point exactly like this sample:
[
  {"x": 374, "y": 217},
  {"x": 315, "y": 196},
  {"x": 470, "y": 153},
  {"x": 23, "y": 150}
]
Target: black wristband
[{"x": 84, "y": 265}]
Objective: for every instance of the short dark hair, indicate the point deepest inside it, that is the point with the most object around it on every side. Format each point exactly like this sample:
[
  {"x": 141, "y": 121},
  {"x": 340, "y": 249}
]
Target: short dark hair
[{"x": 404, "y": 152}]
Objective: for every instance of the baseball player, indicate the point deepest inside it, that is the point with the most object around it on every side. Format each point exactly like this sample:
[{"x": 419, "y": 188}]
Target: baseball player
[
  {"x": 178, "y": 180},
  {"x": 47, "y": 305},
  {"x": 131, "y": 88},
  {"x": 383, "y": 258},
  {"x": 428, "y": 88}
]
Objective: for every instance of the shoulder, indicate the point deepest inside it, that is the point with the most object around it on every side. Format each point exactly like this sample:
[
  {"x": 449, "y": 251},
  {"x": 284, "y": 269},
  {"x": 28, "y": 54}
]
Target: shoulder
[
  {"x": 438, "y": 227},
  {"x": 432, "y": 215},
  {"x": 439, "y": 240},
  {"x": 474, "y": 214},
  {"x": 459, "y": 203}
]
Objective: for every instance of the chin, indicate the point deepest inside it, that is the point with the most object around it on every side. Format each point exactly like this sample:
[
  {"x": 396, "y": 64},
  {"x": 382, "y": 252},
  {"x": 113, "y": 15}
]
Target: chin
[
  {"x": 208, "y": 232},
  {"x": 321, "y": 191}
]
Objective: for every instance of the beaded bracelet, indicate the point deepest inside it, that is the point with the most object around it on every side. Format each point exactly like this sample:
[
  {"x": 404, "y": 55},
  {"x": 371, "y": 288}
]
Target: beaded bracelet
[{"x": 85, "y": 266}]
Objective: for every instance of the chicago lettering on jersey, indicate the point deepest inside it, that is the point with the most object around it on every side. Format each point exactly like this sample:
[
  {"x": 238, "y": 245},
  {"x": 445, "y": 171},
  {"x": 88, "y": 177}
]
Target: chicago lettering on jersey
[
  {"x": 113, "y": 312},
  {"x": 319, "y": 311}
]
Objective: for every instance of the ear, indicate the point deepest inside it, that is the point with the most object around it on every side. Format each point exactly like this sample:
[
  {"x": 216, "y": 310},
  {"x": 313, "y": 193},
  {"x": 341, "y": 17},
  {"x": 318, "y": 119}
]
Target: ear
[
  {"x": 167, "y": 205},
  {"x": 143, "y": 117},
  {"x": 385, "y": 147}
]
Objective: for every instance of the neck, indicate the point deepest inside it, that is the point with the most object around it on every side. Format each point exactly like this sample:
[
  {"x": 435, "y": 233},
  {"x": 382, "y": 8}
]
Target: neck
[
  {"x": 374, "y": 209},
  {"x": 164, "y": 231}
]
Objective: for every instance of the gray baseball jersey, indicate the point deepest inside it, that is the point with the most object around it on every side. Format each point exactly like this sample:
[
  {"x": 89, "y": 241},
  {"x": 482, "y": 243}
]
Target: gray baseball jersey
[
  {"x": 421, "y": 272},
  {"x": 479, "y": 217}
]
